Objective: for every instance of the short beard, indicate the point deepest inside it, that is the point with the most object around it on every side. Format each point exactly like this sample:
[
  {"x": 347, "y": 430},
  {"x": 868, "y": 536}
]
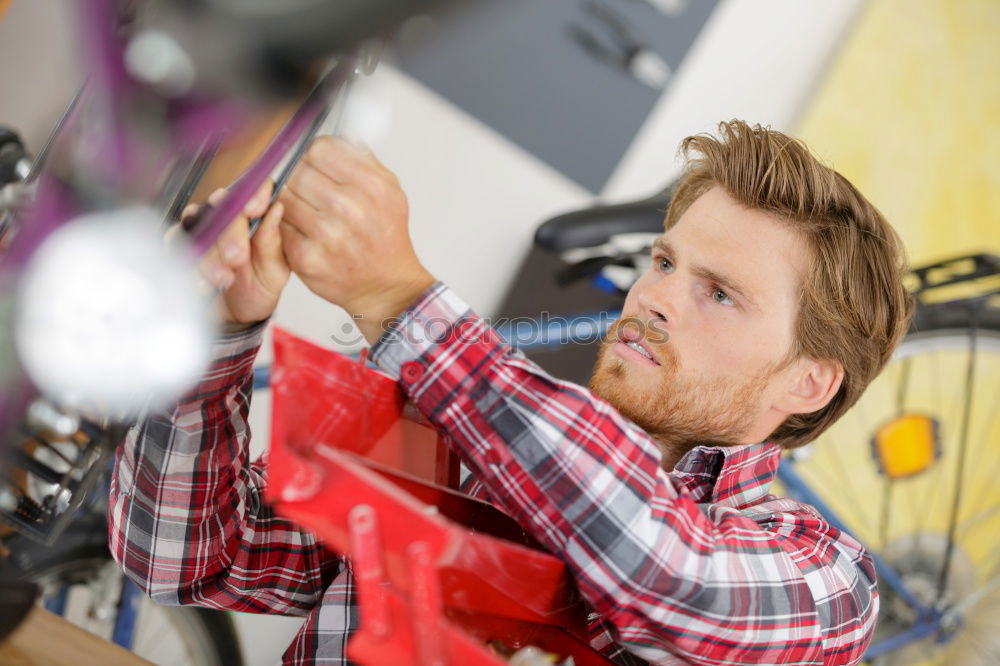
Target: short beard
[{"x": 680, "y": 413}]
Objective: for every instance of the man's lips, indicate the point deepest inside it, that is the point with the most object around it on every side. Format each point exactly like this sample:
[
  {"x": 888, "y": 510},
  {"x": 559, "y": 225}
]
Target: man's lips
[{"x": 623, "y": 347}]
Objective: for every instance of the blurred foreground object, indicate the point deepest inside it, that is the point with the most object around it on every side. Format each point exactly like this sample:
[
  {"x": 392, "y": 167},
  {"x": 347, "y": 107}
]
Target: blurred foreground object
[
  {"x": 100, "y": 319},
  {"x": 109, "y": 319}
]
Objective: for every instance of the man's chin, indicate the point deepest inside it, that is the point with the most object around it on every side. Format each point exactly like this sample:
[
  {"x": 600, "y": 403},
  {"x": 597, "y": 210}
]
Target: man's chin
[
  {"x": 618, "y": 384},
  {"x": 619, "y": 376}
]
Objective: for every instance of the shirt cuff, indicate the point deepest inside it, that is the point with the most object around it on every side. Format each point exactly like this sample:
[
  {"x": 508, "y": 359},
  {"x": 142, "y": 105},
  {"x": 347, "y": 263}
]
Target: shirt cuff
[{"x": 424, "y": 325}]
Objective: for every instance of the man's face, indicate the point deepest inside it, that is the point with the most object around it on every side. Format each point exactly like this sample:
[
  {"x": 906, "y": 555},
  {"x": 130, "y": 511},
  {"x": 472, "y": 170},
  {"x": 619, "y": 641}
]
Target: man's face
[{"x": 716, "y": 313}]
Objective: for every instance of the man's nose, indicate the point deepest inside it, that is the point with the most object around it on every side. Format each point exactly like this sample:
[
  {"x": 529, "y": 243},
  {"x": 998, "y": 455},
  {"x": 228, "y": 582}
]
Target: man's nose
[{"x": 659, "y": 302}]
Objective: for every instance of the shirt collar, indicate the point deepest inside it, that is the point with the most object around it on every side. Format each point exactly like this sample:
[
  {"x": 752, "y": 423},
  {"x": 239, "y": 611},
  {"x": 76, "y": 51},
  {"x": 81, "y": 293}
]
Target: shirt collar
[{"x": 736, "y": 476}]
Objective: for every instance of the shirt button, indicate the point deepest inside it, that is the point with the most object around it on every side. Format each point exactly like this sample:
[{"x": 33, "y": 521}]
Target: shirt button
[{"x": 412, "y": 371}]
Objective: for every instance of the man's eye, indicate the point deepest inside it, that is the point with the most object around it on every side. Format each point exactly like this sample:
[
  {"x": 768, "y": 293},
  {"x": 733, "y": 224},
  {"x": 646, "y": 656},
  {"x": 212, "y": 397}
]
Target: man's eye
[
  {"x": 722, "y": 297},
  {"x": 664, "y": 264}
]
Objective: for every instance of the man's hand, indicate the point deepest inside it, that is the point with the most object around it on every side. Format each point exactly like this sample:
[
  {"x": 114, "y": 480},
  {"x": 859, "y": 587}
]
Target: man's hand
[
  {"x": 345, "y": 233},
  {"x": 249, "y": 272}
]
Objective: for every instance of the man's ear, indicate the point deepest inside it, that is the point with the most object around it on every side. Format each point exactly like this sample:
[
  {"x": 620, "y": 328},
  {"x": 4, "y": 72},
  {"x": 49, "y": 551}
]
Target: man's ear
[{"x": 813, "y": 385}]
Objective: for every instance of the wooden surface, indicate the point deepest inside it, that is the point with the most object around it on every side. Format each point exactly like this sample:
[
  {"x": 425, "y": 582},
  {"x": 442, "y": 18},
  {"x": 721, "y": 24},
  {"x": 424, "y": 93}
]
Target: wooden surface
[{"x": 45, "y": 639}]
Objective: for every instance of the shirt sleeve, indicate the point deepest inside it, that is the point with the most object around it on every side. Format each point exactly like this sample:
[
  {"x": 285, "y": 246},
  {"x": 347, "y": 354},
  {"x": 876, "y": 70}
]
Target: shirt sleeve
[
  {"x": 675, "y": 579},
  {"x": 186, "y": 517}
]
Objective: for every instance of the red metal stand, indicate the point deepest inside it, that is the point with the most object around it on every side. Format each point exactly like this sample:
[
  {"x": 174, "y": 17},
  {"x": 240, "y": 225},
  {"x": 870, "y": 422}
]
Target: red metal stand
[{"x": 440, "y": 575}]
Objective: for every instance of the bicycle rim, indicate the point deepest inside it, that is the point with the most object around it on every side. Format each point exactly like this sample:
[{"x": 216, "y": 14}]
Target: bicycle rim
[{"x": 939, "y": 528}]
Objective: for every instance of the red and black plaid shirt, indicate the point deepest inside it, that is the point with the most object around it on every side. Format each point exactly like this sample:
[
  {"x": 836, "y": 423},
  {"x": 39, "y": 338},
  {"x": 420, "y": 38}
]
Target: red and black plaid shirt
[{"x": 699, "y": 565}]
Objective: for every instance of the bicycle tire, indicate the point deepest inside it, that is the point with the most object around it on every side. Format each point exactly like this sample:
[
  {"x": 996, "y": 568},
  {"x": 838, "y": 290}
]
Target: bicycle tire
[
  {"x": 908, "y": 521},
  {"x": 81, "y": 558}
]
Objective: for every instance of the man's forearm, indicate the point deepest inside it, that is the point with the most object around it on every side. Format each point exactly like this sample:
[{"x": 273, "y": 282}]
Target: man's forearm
[{"x": 186, "y": 517}]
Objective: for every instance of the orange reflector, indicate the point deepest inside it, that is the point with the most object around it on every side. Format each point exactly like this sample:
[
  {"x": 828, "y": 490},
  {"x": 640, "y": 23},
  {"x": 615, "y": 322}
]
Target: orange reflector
[{"x": 906, "y": 445}]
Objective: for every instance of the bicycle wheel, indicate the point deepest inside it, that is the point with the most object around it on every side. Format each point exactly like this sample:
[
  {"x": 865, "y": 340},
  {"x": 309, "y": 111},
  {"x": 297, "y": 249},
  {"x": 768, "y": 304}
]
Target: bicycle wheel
[
  {"x": 938, "y": 526},
  {"x": 81, "y": 581}
]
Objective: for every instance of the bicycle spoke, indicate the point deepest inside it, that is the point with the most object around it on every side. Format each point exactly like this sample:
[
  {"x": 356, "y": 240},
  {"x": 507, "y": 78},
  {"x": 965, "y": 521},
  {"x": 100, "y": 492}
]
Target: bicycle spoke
[
  {"x": 984, "y": 441},
  {"x": 857, "y": 495},
  {"x": 960, "y": 462},
  {"x": 980, "y": 649},
  {"x": 826, "y": 480},
  {"x": 934, "y": 482},
  {"x": 981, "y": 633},
  {"x": 928, "y": 493},
  {"x": 886, "y": 510},
  {"x": 902, "y": 392},
  {"x": 921, "y": 501},
  {"x": 993, "y": 567}
]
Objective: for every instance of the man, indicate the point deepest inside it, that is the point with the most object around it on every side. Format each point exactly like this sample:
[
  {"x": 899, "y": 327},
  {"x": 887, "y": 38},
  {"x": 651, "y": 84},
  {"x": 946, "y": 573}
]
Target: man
[{"x": 773, "y": 298}]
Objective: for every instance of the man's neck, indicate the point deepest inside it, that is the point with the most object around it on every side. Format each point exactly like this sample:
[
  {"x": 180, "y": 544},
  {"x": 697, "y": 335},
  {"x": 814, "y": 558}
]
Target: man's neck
[{"x": 670, "y": 455}]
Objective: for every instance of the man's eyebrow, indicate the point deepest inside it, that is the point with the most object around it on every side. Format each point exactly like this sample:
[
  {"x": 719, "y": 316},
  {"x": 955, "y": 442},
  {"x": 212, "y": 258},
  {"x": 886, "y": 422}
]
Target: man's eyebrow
[{"x": 663, "y": 245}]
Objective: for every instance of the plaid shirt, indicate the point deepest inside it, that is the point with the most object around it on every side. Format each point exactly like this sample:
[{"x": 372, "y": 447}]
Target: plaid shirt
[{"x": 699, "y": 565}]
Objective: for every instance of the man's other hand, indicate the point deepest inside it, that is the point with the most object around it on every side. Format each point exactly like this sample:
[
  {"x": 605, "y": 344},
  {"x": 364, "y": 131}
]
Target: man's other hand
[
  {"x": 345, "y": 233},
  {"x": 249, "y": 273}
]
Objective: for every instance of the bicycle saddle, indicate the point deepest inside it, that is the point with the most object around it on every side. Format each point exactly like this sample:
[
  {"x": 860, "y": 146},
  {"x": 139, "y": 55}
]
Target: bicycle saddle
[{"x": 596, "y": 225}]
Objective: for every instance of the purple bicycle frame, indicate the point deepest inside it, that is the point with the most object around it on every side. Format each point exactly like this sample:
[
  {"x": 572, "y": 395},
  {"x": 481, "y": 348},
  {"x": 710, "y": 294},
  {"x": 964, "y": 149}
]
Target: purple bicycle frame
[{"x": 192, "y": 123}]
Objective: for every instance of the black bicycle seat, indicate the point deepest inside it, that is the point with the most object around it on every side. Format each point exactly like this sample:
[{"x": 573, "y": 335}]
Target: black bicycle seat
[{"x": 596, "y": 225}]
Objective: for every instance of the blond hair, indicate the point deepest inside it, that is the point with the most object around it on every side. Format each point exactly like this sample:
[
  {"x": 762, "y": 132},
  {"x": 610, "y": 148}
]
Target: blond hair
[{"x": 853, "y": 307}]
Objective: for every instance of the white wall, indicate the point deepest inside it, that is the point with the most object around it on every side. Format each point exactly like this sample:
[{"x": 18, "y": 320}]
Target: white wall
[
  {"x": 476, "y": 198},
  {"x": 39, "y": 70}
]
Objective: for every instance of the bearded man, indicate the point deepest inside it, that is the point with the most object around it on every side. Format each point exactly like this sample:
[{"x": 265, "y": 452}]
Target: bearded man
[{"x": 774, "y": 297}]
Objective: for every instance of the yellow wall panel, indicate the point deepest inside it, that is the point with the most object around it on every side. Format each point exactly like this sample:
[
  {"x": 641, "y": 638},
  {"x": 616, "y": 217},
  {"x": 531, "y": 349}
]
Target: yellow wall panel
[{"x": 910, "y": 112}]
